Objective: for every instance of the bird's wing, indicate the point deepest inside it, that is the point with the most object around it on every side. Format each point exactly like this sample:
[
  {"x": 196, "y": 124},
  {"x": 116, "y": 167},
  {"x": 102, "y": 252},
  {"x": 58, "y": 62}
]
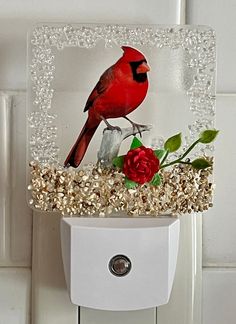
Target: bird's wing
[{"x": 101, "y": 86}]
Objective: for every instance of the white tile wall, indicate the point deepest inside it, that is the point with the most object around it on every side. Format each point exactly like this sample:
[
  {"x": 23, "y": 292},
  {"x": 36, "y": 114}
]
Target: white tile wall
[
  {"x": 15, "y": 215},
  {"x": 219, "y": 240},
  {"x": 219, "y": 285},
  {"x": 219, "y": 243},
  {"x": 17, "y": 17},
  {"x": 220, "y": 15},
  {"x": 162, "y": 11},
  {"x": 183, "y": 309},
  {"x": 50, "y": 304},
  {"x": 5, "y": 121},
  {"x": 91, "y": 316},
  {"x": 15, "y": 296},
  {"x": 219, "y": 296},
  {"x": 21, "y": 214}
]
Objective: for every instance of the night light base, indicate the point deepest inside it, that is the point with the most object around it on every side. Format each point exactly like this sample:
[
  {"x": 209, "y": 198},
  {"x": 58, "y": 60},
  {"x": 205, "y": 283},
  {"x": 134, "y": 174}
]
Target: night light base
[{"x": 119, "y": 264}]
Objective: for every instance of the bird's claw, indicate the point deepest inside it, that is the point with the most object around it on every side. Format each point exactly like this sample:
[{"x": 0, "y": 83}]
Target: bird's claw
[
  {"x": 137, "y": 127},
  {"x": 112, "y": 128}
]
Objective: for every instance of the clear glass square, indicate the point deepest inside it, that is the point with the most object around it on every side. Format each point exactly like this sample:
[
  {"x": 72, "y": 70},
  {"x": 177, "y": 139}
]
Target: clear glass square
[{"x": 66, "y": 61}]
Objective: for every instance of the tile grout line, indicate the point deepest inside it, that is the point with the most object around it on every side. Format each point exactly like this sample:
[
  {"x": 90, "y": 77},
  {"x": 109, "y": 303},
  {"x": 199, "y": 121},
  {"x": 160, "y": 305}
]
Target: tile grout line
[
  {"x": 220, "y": 267},
  {"x": 12, "y": 92},
  {"x": 15, "y": 267}
]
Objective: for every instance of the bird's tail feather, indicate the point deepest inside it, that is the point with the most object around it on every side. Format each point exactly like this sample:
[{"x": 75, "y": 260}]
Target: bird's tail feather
[{"x": 80, "y": 147}]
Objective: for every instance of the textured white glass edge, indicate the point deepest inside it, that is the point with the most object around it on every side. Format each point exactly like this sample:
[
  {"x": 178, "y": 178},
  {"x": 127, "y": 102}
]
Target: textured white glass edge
[{"x": 57, "y": 32}]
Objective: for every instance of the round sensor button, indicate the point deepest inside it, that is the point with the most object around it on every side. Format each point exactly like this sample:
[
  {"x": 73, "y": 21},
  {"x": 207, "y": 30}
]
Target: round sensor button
[{"x": 120, "y": 265}]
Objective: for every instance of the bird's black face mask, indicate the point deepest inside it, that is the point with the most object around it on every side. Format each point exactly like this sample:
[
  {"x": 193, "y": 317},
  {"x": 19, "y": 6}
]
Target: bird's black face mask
[{"x": 138, "y": 77}]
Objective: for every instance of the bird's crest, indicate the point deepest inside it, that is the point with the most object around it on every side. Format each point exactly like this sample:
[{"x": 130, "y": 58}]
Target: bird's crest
[{"x": 132, "y": 54}]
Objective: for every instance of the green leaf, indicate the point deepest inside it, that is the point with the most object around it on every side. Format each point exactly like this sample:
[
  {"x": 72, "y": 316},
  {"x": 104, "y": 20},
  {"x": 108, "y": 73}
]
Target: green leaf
[
  {"x": 200, "y": 164},
  {"x": 129, "y": 183},
  {"x": 173, "y": 143},
  {"x": 156, "y": 180},
  {"x": 118, "y": 161},
  {"x": 135, "y": 143},
  {"x": 208, "y": 136},
  {"x": 159, "y": 153}
]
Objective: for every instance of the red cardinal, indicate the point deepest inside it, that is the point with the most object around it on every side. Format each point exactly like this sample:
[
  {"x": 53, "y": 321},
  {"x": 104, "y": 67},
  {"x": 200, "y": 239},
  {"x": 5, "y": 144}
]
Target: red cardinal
[{"x": 119, "y": 91}]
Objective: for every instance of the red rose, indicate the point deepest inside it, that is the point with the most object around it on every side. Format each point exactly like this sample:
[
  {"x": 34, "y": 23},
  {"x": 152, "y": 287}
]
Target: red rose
[{"x": 141, "y": 164}]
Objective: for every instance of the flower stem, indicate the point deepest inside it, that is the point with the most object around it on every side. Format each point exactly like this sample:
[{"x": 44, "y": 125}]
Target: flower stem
[
  {"x": 179, "y": 160},
  {"x": 165, "y": 157},
  {"x": 190, "y": 148},
  {"x": 171, "y": 163}
]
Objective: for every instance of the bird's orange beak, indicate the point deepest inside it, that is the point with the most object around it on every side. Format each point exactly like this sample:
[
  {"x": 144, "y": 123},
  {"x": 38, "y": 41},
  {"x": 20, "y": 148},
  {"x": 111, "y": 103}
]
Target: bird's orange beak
[{"x": 143, "y": 68}]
